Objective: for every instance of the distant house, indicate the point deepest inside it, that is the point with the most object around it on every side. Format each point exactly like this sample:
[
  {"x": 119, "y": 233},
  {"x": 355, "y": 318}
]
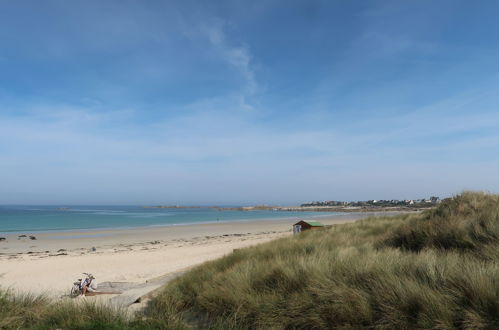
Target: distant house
[
  {"x": 434, "y": 199},
  {"x": 306, "y": 225}
]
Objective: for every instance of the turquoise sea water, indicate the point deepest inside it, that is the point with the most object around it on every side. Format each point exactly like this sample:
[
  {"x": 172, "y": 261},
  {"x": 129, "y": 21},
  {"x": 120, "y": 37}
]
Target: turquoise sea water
[{"x": 55, "y": 218}]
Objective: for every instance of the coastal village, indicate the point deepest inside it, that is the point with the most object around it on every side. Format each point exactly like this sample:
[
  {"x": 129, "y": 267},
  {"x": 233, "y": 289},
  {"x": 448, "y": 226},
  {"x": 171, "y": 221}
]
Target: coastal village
[
  {"x": 379, "y": 203},
  {"x": 354, "y": 206}
]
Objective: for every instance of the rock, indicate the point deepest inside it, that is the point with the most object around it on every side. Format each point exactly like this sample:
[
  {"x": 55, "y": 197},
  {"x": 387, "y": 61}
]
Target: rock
[
  {"x": 21, "y": 236},
  {"x": 61, "y": 250},
  {"x": 93, "y": 249},
  {"x": 2, "y": 239},
  {"x": 58, "y": 254},
  {"x": 32, "y": 238}
]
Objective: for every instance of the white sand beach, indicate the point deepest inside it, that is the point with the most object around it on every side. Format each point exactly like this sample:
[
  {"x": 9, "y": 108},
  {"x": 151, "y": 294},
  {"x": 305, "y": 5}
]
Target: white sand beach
[{"x": 53, "y": 261}]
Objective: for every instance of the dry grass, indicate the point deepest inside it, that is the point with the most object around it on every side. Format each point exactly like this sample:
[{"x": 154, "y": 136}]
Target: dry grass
[
  {"x": 468, "y": 222},
  {"x": 18, "y": 311},
  {"x": 437, "y": 269}
]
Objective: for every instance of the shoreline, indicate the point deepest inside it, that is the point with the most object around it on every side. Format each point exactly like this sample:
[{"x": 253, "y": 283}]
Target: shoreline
[
  {"x": 54, "y": 260},
  {"x": 88, "y": 238}
]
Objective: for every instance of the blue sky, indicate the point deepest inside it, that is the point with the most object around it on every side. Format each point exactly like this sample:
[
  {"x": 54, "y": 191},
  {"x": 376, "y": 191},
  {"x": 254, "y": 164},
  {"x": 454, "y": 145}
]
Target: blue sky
[{"x": 243, "y": 102}]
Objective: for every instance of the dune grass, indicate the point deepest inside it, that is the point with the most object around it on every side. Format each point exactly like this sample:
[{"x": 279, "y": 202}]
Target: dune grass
[
  {"x": 26, "y": 311},
  {"x": 468, "y": 222},
  {"x": 437, "y": 269}
]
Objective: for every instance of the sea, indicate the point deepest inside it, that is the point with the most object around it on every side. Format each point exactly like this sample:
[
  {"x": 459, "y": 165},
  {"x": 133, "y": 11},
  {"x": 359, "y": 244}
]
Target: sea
[{"x": 25, "y": 218}]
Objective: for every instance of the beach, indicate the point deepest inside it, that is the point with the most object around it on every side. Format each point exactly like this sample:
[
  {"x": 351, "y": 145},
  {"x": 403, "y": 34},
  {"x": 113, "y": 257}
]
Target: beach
[{"x": 54, "y": 260}]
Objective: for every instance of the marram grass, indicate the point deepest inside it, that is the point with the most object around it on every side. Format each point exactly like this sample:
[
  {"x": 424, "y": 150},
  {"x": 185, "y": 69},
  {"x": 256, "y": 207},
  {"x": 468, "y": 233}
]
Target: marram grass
[
  {"x": 433, "y": 270},
  {"x": 18, "y": 311},
  {"x": 437, "y": 269}
]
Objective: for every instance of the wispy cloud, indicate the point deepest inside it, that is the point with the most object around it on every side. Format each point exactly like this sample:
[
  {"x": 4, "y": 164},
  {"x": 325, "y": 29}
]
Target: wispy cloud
[{"x": 238, "y": 57}]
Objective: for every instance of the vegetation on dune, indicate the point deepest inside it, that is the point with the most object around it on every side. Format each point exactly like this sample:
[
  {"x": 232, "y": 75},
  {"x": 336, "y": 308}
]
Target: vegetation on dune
[
  {"x": 436, "y": 269},
  {"x": 25, "y": 311},
  {"x": 468, "y": 222}
]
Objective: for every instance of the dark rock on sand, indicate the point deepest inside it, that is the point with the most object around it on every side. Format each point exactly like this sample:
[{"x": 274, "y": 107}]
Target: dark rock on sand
[
  {"x": 3, "y": 239},
  {"x": 32, "y": 238}
]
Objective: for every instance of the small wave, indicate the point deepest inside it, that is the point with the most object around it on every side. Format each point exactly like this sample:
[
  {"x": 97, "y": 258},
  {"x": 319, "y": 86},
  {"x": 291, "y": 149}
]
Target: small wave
[{"x": 148, "y": 215}]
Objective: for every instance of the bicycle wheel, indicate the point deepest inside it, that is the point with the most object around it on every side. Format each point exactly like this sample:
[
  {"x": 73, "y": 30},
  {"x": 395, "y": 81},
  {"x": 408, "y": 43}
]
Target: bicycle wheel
[{"x": 75, "y": 291}]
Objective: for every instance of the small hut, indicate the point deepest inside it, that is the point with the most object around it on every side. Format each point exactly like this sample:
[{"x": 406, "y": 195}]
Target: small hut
[{"x": 306, "y": 225}]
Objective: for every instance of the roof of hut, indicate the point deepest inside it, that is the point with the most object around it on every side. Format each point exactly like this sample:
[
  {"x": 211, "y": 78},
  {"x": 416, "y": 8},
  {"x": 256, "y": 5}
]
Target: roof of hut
[{"x": 311, "y": 223}]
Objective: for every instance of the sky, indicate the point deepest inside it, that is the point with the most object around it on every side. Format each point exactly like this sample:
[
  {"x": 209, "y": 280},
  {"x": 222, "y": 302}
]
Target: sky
[{"x": 246, "y": 102}]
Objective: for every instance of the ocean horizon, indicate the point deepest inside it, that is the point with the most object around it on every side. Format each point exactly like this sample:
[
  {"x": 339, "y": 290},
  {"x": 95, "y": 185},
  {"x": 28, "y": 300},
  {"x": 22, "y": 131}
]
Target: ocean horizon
[{"x": 48, "y": 218}]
